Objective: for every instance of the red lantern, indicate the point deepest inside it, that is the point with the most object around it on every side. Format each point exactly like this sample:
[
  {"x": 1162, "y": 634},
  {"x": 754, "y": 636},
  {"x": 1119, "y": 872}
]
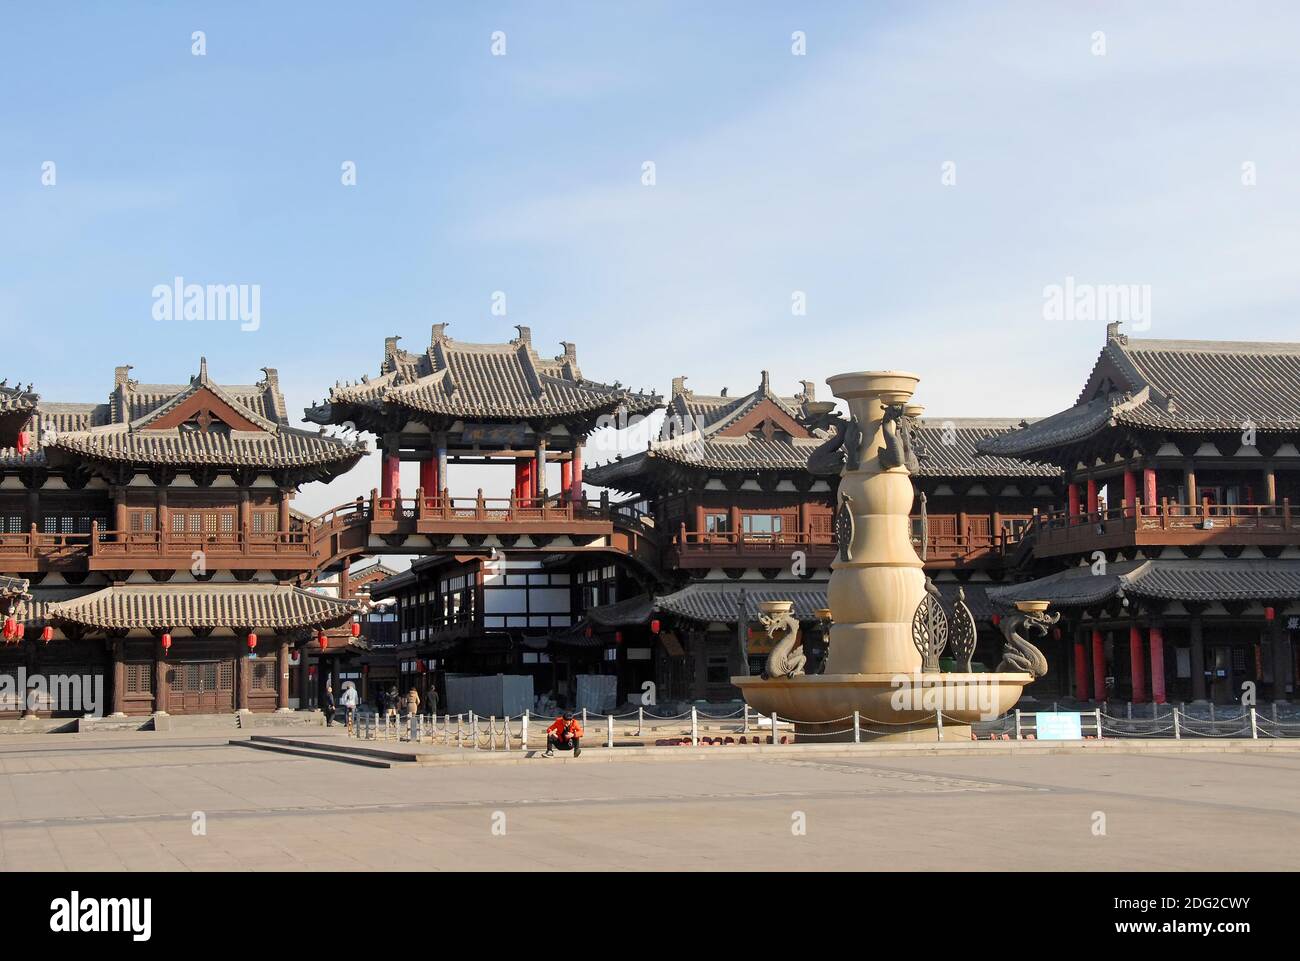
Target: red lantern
[
  {"x": 252, "y": 641},
  {"x": 356, "y": 628},
  {"x": 47, "y": 634},
  {"x": 22, "y": 629},
  {"x": 1268, "y": 613},
  {"x": 654, "y": 626},
  {"x": 166, "y": 643},
  {"x": 11, "y": 628},
  {"x": 996, "y": 619},
  {"x": 323, "y": 641},
  {"x": 618, "y": 637},
  {"x": 24, "y": 441}
]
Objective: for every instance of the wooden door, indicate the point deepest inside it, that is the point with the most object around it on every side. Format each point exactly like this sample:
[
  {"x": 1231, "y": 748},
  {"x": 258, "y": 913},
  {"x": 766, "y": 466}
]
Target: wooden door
[{"x": 202, "y": 687}]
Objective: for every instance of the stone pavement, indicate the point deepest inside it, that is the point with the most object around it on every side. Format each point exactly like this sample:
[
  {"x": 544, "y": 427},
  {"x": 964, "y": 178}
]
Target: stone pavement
[{"x": 129, "y": 804}]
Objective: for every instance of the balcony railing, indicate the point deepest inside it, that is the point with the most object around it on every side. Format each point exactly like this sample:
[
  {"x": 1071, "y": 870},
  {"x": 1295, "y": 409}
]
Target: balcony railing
[
  {"x": 1167, "y": 522},
  {"x": 702, "y": 546}
]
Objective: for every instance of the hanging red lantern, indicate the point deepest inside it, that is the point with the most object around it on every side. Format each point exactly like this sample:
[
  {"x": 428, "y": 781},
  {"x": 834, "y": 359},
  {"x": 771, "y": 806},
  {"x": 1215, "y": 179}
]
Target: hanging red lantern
[
  {"x": 252, "y": 641},
  {"x": 1269, "y": 613},
  {"x": 356, "y": 628},
  {"x": 996, "y": 619},
  {"x": 654, "y": 626},
  {"x": 166, "y": 644},
  {"x": 11, "y": 628},
  {"x": 24, "y": 441},
  {"x": 22, "y": 629},
  {"x": 618, "y": 637},
  {"x": 47, "y": 634},
  {"x": 323, "y": 641}
]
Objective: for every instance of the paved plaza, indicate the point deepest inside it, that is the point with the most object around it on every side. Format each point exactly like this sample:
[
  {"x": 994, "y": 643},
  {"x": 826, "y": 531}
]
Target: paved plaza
[{"x": 130, "y": 804}]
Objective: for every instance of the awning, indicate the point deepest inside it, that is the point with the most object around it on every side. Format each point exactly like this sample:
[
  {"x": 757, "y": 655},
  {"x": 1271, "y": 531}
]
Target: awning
[
  {"x": 1239, "y": 579},
  {"x": 166, "y": 607}
]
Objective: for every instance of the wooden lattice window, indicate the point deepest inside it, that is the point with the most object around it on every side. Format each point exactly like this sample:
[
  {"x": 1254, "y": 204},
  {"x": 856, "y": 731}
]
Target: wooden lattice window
[
  {"x": 263, "y": 674},
  {"x": 141, "y": 522},
  {"x": 139, "y": 678},
  {"x": 227, "y": 676}
]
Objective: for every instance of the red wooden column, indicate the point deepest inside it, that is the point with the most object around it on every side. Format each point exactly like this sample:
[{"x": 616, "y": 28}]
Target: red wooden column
[
  {"x": 1137, "y": 664},
  {"x": 1072, "y": 495},
  {"x": 429, "y": 477},
  {"x": 577, "y": 471},
  {"x": 1149, "y": 490},
  {"x": 1157, "y": 664},
  {"x": 1092, "y": 496},
  {"x": 282, "y": 675},
  {"x": 1080, "y": 669},
  {"x": 390, "y": 478},
  {"x": 1130, "y": 488},
  {"x": 521, "y": 477},
  {"x": 1098, "y": 667},
  {"x": 566, "y": 479}
]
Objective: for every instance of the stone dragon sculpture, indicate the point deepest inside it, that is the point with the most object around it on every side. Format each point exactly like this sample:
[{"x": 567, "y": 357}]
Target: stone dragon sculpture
[
  {"x": 786, "y": 659},
  {"x": 899, "y": 449},
  {"x": 1018, "y": 654},
  {"x": 840, "y": 451}
]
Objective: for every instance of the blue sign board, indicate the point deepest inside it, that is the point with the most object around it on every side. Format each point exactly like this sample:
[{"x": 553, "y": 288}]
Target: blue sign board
[{"x": 1058, "y": 726}]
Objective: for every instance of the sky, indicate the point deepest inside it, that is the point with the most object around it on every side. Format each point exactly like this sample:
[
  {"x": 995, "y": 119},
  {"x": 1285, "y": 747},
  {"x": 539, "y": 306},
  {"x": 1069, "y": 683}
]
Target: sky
[{"x": 916, "y": 174}]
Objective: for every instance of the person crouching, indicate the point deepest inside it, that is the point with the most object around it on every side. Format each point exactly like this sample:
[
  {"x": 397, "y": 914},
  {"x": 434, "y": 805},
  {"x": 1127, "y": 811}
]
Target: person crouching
[{"x": 565, "y": 734}]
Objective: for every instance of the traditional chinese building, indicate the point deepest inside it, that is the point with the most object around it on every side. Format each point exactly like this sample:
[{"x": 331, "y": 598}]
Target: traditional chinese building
[
  {"x": 459, "y": 402},
  {"x": 1175, "y": 554},
  {"x": 155, "y": 532}
]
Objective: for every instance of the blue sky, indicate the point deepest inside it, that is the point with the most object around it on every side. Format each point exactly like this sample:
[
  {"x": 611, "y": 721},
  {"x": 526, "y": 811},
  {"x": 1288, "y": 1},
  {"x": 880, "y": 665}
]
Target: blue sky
[{"x": 522, "y": 173}]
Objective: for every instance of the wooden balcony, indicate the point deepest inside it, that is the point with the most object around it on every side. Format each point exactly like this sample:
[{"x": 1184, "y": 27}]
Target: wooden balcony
[
  {"x": 375, "y": 526},
  {"x": 702, "y": 549},
  {"x": 1166, "y": 524}
]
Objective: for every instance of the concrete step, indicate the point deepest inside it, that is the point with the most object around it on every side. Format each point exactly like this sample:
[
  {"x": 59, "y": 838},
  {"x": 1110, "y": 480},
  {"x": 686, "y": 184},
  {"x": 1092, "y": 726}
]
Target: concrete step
[
  {"x": 291, "y": 719},
  {"x": 196, "y": 722},
  {"x": 320, "y": 755},
  {"x": 343, "y": 747},
  {"x": 105, "y": 725}
]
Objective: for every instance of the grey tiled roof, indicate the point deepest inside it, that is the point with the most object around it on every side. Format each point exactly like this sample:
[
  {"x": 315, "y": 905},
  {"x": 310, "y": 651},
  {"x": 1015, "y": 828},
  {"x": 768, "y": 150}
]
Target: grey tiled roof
[
  {"x": 1176, "y": 386},
  {"x": 284, "y": 447},
  {"x": 484, "y": 381},
  {"x": 1238, "y": 579},
  {"x": 163, "y": 606},
  {"x": 695, "y": 423},
  {"x": 13, "y": 586},
  {"x": 16, "y": 400},
  {"x": 949, "y": 448},
  {"x": 121, "y": 431},
  {"x": 707, "y": 602}
]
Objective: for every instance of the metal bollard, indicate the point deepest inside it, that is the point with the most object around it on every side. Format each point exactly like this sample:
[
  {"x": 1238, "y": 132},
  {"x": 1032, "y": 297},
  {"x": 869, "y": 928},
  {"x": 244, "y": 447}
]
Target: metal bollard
[
  {"x": 506, "y": 730},
  {"x": 746, "y": 727},
  {"x": 695, "y": 727},
  {"x": 523, "y": 737},
  {"x": 775, "y": 742},
  {"x": 1254, "y": 725},
  {"x": 492, "y": 732},
  {"x": 857, "y": 728},
  {"x": 640, "y": 718},
  {"x": 1017, "y": 723},
  {"x": 1097, "y": 715},
  {"x": 1178, "y": 733},
  {"x": 414, "y": 734},
  {"x": 938, "y": 717},
  {"x": 584, "y": 718},
  {"x": 609, "y": 730}
]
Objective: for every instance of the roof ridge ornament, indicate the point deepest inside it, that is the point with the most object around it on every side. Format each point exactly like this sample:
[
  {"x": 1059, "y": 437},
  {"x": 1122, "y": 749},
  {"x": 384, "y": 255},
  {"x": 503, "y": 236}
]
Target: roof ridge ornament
[
  {"x": 203, "y": 372},
  {"x": 439, "y": 334},
  {"x": 1113, "y": 335}
]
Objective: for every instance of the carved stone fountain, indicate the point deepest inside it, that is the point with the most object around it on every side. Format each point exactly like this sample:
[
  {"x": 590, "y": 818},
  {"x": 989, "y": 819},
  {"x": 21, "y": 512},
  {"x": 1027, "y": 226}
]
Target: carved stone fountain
[{"x": 882, "y": 617}]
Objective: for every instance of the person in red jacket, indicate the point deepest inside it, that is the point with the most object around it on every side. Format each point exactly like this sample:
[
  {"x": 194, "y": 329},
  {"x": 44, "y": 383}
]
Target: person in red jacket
[{"x": 566, "y": 734}]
